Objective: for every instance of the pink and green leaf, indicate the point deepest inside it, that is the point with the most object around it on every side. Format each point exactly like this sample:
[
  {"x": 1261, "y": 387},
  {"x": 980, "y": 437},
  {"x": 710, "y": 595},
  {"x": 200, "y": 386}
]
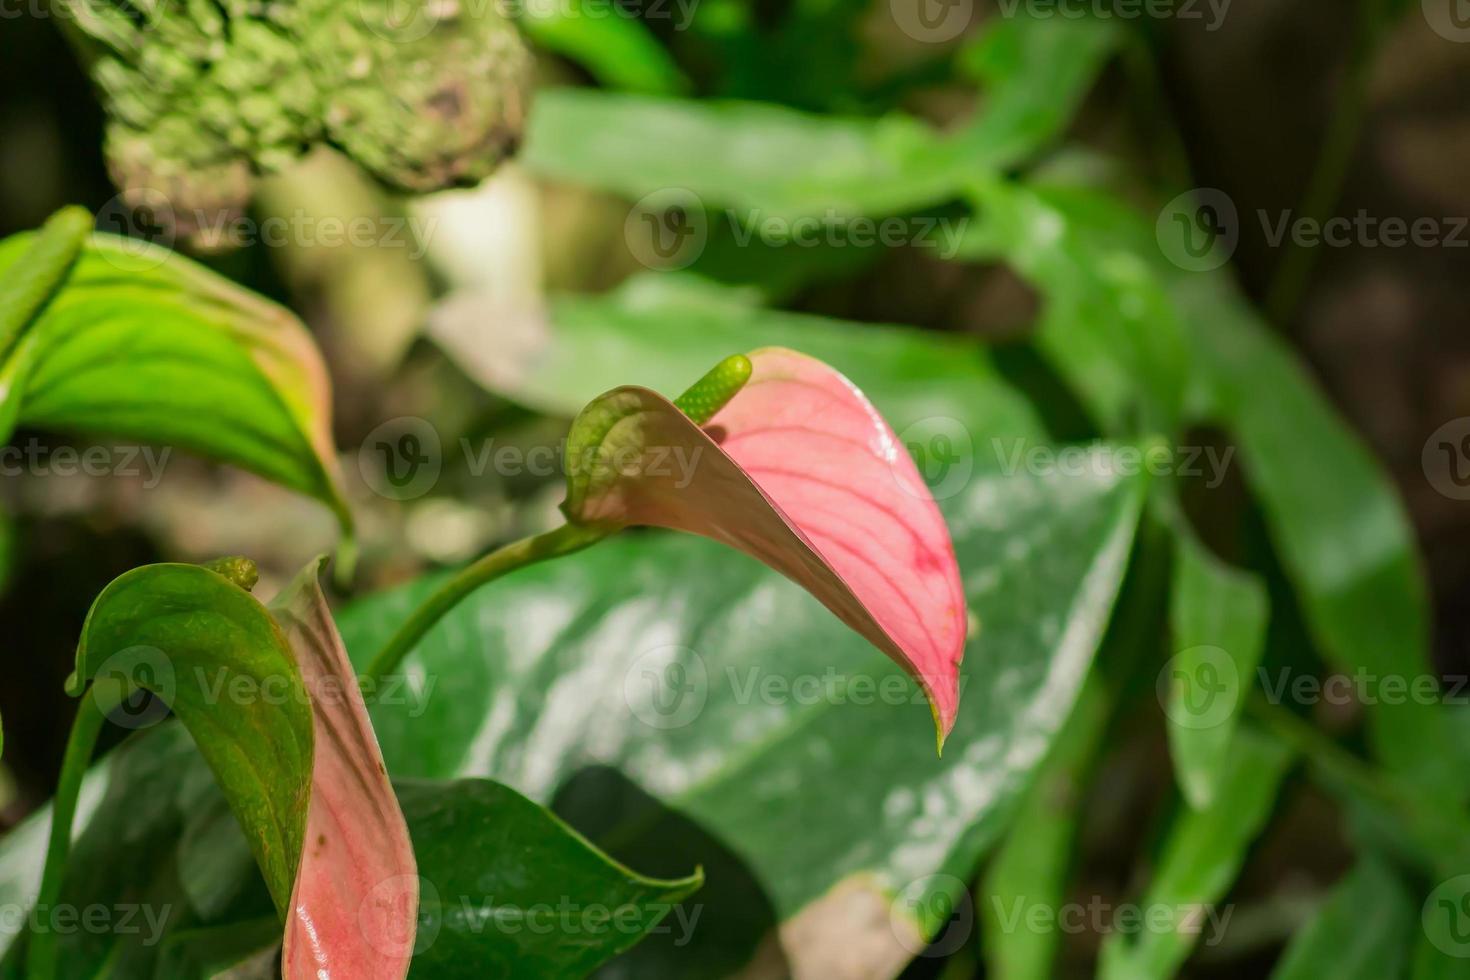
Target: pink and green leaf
[{"x": 780, "y": 456}]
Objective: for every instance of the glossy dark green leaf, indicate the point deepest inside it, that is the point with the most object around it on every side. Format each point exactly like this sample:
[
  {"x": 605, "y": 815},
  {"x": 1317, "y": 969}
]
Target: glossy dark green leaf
[
  {"x": 144, "y": 344},
  {"x": 777, "y": 162},
  {"x": 1217, "y": 619},
  {"x": 1362, "y": 932},
  {"x": 510, "y": 891},
  {"x": 1202, "y": 854},
  {"x": 214, "y": 654},
  {"x": 695, "y": 678}
]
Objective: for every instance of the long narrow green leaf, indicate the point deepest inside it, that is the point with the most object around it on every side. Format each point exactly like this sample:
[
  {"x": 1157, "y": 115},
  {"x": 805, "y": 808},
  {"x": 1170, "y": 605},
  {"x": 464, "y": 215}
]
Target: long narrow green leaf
[
  {"x": 617, "y": 49},
  {"x": 1362, "y": 932},
  {"x": 777, "y": 162},
  {"x": 1201, "y": 857},
  {"x": 1218, "y": 620}
]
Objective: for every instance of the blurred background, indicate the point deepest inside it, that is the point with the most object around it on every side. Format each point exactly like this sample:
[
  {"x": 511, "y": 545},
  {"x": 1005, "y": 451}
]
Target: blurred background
[{"x": 1263, "y": 113}]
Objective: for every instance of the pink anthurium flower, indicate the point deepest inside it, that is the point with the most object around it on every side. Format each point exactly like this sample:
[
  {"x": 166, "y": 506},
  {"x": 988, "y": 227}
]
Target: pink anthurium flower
[
  {"x": 354, "y": 908},
  {"x": 780, "y": 456}
]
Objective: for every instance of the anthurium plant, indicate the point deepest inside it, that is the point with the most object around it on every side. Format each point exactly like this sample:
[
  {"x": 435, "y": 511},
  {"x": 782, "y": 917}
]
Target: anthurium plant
[
  {"x": 790, "y": 463},
  {"x": 658, "y": 709}
]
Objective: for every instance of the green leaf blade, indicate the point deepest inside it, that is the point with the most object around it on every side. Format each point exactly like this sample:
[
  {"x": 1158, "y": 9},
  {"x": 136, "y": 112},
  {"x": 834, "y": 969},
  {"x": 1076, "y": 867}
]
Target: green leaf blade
[{"x": 215, "y": 655}]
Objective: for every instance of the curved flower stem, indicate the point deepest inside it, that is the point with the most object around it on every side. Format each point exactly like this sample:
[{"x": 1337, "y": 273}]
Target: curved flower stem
[
  {"x": 562, "y": 541},
  {"x": 41, "y": 955}
]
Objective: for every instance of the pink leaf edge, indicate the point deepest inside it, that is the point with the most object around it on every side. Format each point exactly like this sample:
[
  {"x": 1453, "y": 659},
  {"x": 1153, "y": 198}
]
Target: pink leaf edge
[
  {"x": 800, "y": 471},
  {"x": 354, "y": 908}
]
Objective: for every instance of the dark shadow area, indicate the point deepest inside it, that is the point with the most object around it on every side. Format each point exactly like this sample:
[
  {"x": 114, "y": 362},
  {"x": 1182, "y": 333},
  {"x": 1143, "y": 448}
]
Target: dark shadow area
[{"x": 734, "y": 914}]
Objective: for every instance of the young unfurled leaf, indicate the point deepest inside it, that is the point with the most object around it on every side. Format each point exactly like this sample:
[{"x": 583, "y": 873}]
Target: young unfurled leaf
[
  {"x": 211, "y": 652},
  {"x": 795, "y": 467},
  {"x": 143, "y": 344},
  {"x": 355, "y": 905},
  {"x": 272, "y": 703}
]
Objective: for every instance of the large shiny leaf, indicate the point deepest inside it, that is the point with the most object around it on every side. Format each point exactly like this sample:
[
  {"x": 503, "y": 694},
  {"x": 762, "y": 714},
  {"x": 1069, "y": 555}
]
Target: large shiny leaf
[
  {"x": 510, "y": 891},
  {"x": 495, "y": 870},
  {"x": 682, "y": 703},
  {"x": 872, "y": 546},
  {"x": 143, "y": 344}
]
